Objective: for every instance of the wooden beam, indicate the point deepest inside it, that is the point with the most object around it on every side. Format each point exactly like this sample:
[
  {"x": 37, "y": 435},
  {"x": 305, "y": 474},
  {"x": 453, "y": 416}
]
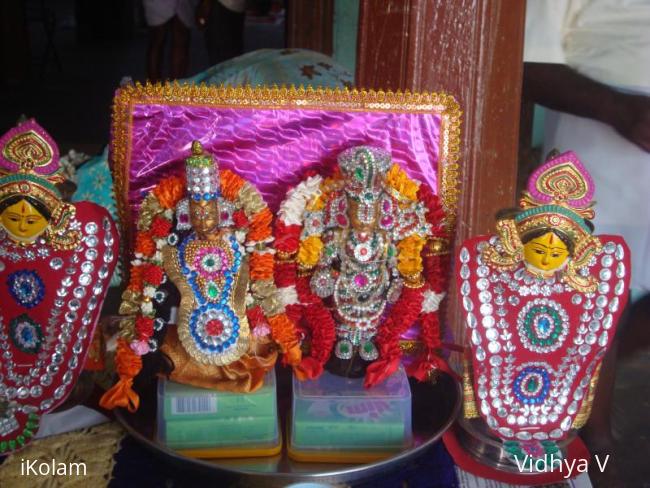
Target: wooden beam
[
  {"x": 472, "y": 49},
  {"x": 310, "y": 24}
]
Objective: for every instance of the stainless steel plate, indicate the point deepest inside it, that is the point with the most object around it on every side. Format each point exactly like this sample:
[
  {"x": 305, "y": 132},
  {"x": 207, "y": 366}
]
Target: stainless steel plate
[{"x": 435, "y": 406}]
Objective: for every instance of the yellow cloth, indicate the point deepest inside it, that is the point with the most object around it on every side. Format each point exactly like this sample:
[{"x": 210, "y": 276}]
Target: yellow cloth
[
  {"x": 244, "y": 375},
  {"x": 95, "y": 447}
]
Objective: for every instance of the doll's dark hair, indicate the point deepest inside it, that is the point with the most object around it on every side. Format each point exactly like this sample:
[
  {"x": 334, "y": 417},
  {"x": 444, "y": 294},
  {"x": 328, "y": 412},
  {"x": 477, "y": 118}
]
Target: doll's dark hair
[{"x": 37, "y": 204}]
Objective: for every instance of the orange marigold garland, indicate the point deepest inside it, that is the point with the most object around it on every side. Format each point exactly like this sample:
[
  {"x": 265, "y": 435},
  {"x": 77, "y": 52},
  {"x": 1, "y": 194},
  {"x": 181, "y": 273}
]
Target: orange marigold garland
[{"x": 147, "y": 274}]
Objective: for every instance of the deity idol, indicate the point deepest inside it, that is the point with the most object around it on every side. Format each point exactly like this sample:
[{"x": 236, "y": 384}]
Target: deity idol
[
  {"x": 212, "y": 245},
  {"x": 56, "y": 261},
  {"x": 350, "y": 264},
  {"x": 542, "y": 299}
]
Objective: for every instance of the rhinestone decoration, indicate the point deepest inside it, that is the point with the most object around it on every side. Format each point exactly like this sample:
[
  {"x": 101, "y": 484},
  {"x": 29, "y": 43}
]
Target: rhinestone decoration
[
  {"x": 344, "y": 349},
  {"x": 26, "y": 334},
  {"x": 47, "y": 342},
  {"x": 536, "y": 400},
  {"x": 26, "y": 287},
  {"x": 542, "y": 325},
  {"x": 322, "y": 283},
  {"x": 368, "y": 351},
  {"x": 213, "y": 325},
  {"x": 532, "y": 384}
]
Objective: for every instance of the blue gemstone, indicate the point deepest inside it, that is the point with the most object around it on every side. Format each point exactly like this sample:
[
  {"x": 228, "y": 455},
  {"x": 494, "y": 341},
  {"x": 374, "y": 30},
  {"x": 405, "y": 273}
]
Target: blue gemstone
[
  {"x": 206, "y": 196},
  {"x": 196, "y": 197},
  {"x": 544, "y": 325}
]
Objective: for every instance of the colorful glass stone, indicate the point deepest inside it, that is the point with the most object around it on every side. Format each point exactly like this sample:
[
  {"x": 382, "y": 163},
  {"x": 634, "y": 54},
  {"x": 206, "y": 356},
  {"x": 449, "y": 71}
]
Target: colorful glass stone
[{"x": 26, "y": 287}]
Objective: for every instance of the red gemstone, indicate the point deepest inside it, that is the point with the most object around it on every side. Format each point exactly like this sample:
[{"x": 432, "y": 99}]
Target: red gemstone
[
  {"x": 214, "y": 327},
  {"x": 224, "y": 215},
  {"x": 341, "y": 220},
  {"x": 363, "y": 251}
]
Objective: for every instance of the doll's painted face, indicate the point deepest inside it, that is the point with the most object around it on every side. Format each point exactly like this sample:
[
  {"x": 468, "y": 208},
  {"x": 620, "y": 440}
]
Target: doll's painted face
[
  {"x": 204, "y": 216},
  {"x": 546, "y": 253},
  {"x": 23, "y": 222}
]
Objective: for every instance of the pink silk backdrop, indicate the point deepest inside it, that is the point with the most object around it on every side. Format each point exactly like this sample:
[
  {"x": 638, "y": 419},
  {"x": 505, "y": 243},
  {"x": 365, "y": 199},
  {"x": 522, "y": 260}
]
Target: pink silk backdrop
[{"x": 272, "y": 148}]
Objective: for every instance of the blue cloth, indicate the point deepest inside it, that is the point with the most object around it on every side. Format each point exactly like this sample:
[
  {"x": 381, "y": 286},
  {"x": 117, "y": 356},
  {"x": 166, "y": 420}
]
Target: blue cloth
[
  {"x": 95, "y": 184},
  {"x": 135, "y": 465},
  {"x": 277, "y": 67}
]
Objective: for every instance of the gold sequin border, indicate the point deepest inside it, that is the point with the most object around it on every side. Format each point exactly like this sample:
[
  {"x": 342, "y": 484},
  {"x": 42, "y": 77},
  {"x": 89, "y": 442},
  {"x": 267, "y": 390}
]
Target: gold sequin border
[{"x": 276, "y": 97}]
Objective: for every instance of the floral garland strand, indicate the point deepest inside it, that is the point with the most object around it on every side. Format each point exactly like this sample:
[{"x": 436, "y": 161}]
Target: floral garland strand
[
  {"x": 416, "y": 303},
  {"x": 305, "y": 305},
  {"x": 295, "y": 255},
  {"x": 436, "y": 269},
  {"x": 252, "y": 222}
]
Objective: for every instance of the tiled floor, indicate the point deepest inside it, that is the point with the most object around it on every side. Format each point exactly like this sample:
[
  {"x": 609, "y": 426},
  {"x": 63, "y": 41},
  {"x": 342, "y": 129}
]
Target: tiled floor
[{"x": 74, "y": 105}]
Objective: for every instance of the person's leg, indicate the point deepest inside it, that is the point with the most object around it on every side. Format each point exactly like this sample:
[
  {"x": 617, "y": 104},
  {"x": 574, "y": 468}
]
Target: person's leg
[
  {"x": 633, "y": 335},
  {"x": 224, "y": 33},
  {"x": 155, "y": 51},
  {"x": 636, "y": 336},
  {"x": 180, "y": 49}
]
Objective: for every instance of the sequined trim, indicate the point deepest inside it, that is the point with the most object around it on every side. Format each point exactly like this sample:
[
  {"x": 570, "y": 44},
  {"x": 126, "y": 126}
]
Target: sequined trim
[{"x": 287, "y": 98}]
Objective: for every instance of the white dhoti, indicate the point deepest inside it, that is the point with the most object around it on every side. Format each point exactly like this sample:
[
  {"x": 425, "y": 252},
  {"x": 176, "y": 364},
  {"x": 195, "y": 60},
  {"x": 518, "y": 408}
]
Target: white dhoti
[{"x": 621, "y": 173}]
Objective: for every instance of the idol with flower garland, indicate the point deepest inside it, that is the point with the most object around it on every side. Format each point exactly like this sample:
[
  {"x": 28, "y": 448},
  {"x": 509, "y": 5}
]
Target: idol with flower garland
[
  {"x": 541, "y": 301},
  {"x": 212, "y": 243},
  {"x": 56, "y": 261},
  {"x": 350, "y": 267}
]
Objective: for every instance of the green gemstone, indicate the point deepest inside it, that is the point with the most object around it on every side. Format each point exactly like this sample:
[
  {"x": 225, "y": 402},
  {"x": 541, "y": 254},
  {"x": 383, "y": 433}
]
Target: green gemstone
[
  {"x": 358, "y": 174},
  {"x": 21, "y": 440},
  {"x": 367, "y": 347},
  {"x": 3, "y": 446},
  {"x": 31, "y": 425},
  {"x": 28, "y": 433},
  {"x": 213, "y": 291},
  {"x": 531, "y": 385},
  {"x": 209, "y": 262},
  {"x": 344, "y": 348},
  {"x": 12, "y": 445}
]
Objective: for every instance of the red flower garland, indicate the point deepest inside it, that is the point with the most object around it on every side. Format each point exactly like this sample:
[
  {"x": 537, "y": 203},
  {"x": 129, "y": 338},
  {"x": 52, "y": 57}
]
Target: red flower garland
[
  {"x": 403, "y": 314},
  {"x": 320, "y": 323},
  {"x": 144, "y": 327},
  {"x": 152, "y": 274},
  {"x": 160, "y": 227},
  {"x": 409, "y": 306}
]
